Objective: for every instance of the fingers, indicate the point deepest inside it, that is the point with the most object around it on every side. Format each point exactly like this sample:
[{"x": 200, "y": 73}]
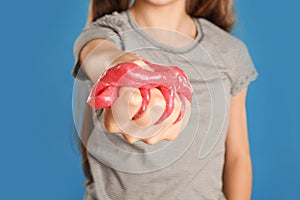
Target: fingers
[
  {"x": 130, "y": 139},
  {"x": 135, "y": 102},
  {"x": 156, "y": 106},
  {"x": 170, "y": 130},
  {"x": 169, "y": 96},
  {"x": 145, "y": 95},
  {"x": 109, "y": 121}
]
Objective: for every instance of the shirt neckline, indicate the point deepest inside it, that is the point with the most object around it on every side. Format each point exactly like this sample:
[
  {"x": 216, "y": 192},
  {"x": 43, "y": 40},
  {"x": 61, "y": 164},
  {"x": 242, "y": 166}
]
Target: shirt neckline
[{"x": 169, "y": 48}]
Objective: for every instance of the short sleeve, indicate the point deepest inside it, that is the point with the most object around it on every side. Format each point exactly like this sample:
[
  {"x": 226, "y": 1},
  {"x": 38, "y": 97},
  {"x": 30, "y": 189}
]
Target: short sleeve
[
  {"x": 103, "y": 28},
  {"x": 243, "y": 71}
]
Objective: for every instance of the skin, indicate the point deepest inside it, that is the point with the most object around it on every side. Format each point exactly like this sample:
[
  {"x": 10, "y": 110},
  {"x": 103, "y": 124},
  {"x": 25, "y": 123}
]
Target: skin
[
  {"x": 103, "y": 53},
  {"x": 237, "y": 176},
  {"x": 170, "y": 14}
]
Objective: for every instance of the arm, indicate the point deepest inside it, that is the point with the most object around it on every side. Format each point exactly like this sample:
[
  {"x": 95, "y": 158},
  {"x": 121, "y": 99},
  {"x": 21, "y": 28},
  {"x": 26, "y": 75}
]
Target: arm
[
  {"x": 99, "y": 55},
  {"x": 237, "y": 176}
]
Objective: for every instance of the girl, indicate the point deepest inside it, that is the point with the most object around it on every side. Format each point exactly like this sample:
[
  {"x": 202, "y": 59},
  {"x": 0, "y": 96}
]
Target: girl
[{"x": 208, "y": 159}]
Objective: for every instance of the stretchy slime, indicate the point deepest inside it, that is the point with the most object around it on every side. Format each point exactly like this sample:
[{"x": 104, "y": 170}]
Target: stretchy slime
[{"x": 168, "y": 79}]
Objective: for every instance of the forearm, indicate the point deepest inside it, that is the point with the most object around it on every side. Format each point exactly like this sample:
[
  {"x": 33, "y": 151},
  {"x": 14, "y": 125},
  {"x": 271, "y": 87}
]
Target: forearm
[
  {"x": 237, "y": 178},
  {"x": 99, "y": 55}
]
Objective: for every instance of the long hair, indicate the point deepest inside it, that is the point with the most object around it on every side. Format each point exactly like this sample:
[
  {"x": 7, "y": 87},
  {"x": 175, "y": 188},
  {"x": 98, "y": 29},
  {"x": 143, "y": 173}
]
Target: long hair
[{"x": 219, "y": 12}]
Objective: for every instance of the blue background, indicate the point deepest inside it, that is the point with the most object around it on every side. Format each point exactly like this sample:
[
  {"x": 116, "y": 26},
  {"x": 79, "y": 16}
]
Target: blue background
[{"x": 39, "y": 156}]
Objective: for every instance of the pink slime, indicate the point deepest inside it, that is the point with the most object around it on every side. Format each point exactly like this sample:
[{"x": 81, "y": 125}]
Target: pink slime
[{"x": 168, "y": 79}]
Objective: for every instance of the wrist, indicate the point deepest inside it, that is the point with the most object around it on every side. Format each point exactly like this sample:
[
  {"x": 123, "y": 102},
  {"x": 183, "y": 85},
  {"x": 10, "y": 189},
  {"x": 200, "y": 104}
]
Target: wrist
[{"x": 125, "y": 57}]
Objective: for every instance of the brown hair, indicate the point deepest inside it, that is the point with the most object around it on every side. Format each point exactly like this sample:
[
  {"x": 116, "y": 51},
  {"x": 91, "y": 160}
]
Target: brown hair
[{"x": 219, "y": 12}]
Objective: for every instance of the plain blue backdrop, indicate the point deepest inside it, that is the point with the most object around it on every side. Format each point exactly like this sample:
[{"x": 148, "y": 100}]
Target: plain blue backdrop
[{"x": 39, "y": 157}]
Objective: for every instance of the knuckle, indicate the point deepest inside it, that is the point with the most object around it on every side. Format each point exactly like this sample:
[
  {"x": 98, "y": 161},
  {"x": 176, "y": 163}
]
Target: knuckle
[
  {"x": 134, "y": 96},
  {"x": 151, "y": 141},
  {"x": 171, "y": 137},
  {"x": 135, "y": 100},
  {"x": 129, "y": 139}
]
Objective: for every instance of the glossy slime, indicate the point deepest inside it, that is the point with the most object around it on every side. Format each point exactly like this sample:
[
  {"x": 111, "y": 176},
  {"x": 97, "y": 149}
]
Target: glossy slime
[{"x": 168, "y": 79}]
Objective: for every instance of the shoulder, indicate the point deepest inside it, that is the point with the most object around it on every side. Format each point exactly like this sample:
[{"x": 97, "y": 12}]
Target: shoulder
[
  {"x": 116, "y": 21},
  {"x": 106, "y": 27},
  {"x": 227, "y": 50},
  {"x": 224, "y": 41},
  {"x": 230, "y": 54}
]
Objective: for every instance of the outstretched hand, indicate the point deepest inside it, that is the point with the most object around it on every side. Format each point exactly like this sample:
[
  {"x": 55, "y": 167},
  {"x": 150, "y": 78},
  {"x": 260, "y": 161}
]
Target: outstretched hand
[
  {"x": 149, "y": 104},
  {"x": 169, "y": 132}
]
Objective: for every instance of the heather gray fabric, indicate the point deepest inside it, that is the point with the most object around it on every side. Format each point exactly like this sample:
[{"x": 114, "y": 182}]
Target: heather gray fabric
[{"x": 190, "y": 167}]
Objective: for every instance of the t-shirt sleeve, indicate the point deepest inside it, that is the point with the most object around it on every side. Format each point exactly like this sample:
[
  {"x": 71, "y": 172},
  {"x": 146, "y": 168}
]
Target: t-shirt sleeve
[
  {"x": 99, "y": 29},
  {"x": 242, "y": 71}
]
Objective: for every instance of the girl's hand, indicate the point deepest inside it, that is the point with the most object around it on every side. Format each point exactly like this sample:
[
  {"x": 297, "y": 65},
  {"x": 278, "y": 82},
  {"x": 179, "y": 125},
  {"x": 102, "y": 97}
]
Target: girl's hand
[
  {"x": 103, "y": 53},
  {"x": 131, "y": 98},
  {"x": 128, "y": 103}
]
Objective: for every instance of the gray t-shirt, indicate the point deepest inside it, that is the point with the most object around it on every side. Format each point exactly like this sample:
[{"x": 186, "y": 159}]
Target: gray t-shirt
[{"x": 218, "y": 66}]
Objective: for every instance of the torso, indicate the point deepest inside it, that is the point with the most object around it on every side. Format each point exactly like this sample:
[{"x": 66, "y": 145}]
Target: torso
[{"x": 189, "y": 167}]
